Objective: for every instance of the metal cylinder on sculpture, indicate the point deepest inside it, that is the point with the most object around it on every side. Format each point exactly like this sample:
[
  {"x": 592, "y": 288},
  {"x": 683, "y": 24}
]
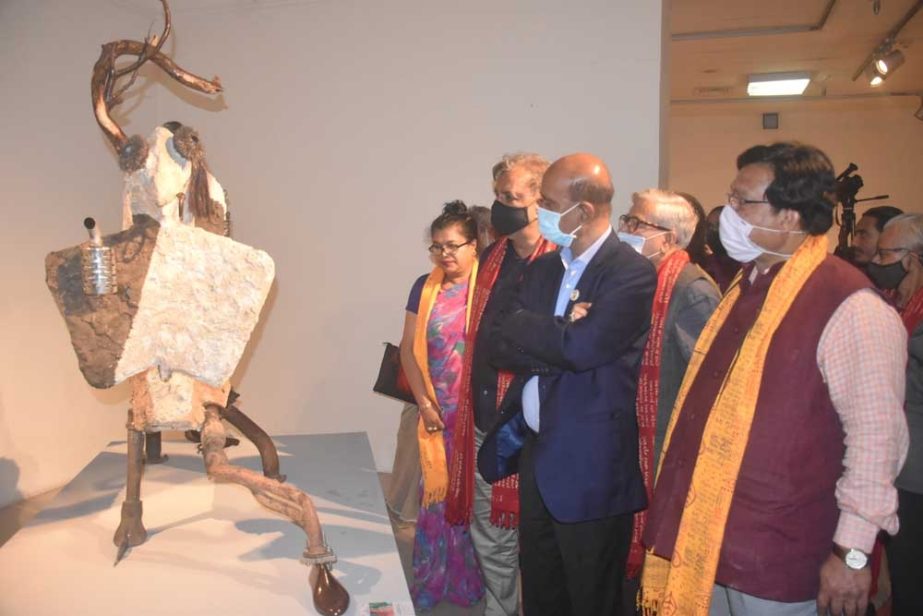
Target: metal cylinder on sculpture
[{"x": 98, "y": 263}]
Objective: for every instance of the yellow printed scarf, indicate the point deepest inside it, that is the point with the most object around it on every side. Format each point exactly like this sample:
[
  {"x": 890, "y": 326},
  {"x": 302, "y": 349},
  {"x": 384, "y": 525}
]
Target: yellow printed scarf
[
  {"x": 683, "y": 586},
  {"x": 432, "y": 445}
]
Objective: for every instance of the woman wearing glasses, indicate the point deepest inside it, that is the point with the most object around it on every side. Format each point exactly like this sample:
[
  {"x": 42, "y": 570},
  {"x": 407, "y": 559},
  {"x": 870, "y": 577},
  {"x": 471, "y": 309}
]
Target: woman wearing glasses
[{"x": 444, "y": 563}]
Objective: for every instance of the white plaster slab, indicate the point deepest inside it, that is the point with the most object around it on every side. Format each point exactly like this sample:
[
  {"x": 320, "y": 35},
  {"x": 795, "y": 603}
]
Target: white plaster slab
[
  {"x": 201, "y": 300},
  {"x": 211, "y": 549}
]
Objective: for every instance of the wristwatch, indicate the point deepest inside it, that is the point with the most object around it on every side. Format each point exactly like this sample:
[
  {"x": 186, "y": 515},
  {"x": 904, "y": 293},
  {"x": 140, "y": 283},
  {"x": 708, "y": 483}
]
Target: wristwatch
[{"x": 854, "y": 559}]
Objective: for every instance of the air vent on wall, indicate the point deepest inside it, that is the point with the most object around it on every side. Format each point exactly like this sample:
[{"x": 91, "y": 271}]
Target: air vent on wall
[{"x": 712, "y": 91}]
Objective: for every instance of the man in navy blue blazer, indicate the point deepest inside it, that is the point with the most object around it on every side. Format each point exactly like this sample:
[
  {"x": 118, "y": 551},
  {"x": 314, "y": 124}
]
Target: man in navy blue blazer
[{"x": 574, "y": 337}]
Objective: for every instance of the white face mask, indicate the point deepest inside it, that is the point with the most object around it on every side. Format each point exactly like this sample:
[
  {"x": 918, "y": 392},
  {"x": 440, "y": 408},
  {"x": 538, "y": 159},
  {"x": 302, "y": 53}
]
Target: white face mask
[
  {"x": 735, "y": 236},
  {"x": 637, "y": 241}
]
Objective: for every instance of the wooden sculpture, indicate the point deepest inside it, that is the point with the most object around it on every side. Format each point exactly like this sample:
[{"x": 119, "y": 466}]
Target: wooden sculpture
[{"x": 169, "y": 304}]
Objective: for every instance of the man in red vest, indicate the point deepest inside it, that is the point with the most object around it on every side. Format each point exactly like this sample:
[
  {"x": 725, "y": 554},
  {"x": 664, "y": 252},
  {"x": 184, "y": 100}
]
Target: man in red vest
[{"x": 788, "y": 431}]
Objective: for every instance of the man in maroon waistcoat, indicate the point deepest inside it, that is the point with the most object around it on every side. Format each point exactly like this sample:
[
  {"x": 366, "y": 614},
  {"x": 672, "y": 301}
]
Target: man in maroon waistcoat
[{"x": 815, "y": 482}]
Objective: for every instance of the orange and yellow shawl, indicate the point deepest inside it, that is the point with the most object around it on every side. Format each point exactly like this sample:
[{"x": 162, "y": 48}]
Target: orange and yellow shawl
[
  {"x": 683, "y": 585},
  {"x": 432, "y": 445}
]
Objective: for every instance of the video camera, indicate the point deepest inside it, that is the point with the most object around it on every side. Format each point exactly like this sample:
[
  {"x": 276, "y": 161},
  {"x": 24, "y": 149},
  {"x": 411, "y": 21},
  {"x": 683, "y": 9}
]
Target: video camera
[{"x": 848, "y": 186}]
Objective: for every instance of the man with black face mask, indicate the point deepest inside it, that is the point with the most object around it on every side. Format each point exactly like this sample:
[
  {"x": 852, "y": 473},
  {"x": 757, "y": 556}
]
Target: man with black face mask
[
  {"x": 493, "y": 511},
  {"x": 718, "y": 264},
  {"x": 868, "y": 231},
  {"x": 897, "y": 266}
]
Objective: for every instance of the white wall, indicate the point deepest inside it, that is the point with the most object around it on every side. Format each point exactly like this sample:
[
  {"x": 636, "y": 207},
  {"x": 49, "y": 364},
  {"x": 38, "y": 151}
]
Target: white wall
[
  {"x": 344, "y": 126},
  {"x": 881, "y": 136}
]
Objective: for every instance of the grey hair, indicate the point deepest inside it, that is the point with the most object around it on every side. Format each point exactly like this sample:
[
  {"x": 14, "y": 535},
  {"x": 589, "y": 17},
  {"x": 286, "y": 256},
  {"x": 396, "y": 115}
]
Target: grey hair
[
  {"x": 911, "y": 225},
  {"x": 671, "y": 211},
  {"x": 534, "y": 164}
]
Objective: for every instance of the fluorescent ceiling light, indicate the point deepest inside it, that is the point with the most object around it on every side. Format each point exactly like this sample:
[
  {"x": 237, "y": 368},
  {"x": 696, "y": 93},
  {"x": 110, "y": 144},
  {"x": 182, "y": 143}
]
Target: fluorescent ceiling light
[{"x": 778, "y": 84}]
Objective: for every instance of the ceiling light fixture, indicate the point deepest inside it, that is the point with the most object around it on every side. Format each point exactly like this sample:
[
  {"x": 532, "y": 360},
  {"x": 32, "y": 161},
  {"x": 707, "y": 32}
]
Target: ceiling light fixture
[
  {"x": 875, "y": 78},
  {"x": 889, "y": 62},
  {"x": 778, "y": 84},
  {"x": 884, "y": 51}
]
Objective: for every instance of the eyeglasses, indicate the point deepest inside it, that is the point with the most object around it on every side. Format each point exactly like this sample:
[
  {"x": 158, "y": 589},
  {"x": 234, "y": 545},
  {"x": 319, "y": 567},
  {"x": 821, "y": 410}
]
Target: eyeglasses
[
  {"x": 448, "y": 249},
  {"x": 736, "y": 200},
  {"x": 883, "y": 251},
  {"x": 631, "y": 223}
]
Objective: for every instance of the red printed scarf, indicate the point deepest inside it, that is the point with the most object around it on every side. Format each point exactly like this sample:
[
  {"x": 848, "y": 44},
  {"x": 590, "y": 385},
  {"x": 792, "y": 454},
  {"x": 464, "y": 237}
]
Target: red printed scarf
[
  {"x": 912, "y": 313},
  {"x": 504, "y": 506},
  {"x": 649, "y": 394}
]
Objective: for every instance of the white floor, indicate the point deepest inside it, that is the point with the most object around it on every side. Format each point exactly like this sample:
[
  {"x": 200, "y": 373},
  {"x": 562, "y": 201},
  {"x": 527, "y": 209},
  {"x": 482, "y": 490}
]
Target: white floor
[{"x": 211, "y": 549}]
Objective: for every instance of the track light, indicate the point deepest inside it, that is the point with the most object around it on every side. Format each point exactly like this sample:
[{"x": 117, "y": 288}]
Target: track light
[
  {"x": 888, "y": 63},
  {"x": 883, "y": 66},
  {"x": 875, "y": 78}
]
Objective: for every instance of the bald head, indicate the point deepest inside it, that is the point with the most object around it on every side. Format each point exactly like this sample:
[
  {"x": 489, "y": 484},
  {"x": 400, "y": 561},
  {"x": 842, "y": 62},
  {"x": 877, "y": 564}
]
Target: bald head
[{"x": 583, "y": 178}]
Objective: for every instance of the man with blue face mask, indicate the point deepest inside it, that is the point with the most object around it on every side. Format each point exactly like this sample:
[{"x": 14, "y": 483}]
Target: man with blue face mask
[
  {"x": 659, "y": 226},
  {"x": 573, "y": 337},
  {"x": 778, "y": 466}
]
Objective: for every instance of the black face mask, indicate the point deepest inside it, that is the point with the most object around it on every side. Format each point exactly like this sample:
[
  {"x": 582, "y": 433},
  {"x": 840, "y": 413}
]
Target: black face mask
[
  {"x": 507, "y": 219},
  {"x": 886, "y": 276},
  {"x": 713, "y": 239}
]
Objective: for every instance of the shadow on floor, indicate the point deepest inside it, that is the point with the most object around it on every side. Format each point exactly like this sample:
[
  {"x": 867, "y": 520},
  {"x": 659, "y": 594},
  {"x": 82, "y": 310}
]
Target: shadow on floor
[{"x": 15, "y": 516}]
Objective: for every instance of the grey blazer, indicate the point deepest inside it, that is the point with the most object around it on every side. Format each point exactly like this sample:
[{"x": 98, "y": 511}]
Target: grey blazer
[
  {"x": 911, "y": 477},
  {"x": 694, "y": 298}
]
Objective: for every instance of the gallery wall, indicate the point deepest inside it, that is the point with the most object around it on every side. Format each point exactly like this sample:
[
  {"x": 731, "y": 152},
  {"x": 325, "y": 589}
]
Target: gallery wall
[
  {"x": 344, "y": 125},
  {"x": 881, "y": 136}
]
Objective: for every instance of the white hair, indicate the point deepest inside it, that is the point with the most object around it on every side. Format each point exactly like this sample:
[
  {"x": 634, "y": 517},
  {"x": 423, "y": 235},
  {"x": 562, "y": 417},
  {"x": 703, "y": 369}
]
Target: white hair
[
  {"x": 671, "y": 212},
  {"x": 911, "y": 227}
]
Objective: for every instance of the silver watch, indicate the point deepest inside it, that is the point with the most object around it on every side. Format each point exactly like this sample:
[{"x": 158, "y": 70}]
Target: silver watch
[{"x": 854, "y": 559}]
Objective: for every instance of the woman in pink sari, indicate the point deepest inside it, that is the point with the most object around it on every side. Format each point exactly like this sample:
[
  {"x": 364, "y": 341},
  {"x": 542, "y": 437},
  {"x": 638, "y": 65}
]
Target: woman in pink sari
[{"x": 444, "y": 563}]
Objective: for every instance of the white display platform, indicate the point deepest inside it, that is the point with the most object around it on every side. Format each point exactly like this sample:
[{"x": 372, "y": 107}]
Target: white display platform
[{"x": 211, "y": 548}]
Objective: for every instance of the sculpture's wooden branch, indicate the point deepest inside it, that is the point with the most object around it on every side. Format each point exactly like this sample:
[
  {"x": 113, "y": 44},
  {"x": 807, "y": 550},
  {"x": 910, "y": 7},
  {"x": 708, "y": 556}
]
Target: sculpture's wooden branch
[
  {"x": 280, "y": 497},
  {"x": 158, "y": 44},
  {"x": 330, "y": 598},
  {"x": 103, "y": 90}
]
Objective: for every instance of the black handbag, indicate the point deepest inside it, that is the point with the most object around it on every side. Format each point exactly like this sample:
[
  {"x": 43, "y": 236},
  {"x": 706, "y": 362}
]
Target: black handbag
[{"x": 392, "y": 381}]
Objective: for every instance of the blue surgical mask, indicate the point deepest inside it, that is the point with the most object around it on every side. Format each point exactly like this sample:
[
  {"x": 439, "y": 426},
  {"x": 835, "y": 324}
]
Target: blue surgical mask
[
  {"x": 549, "y": 225},
  {"x": 637, "y": 241}
]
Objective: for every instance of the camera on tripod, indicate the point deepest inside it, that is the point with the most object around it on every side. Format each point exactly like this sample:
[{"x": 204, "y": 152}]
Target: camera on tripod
[{"x": 848, "y": 185}]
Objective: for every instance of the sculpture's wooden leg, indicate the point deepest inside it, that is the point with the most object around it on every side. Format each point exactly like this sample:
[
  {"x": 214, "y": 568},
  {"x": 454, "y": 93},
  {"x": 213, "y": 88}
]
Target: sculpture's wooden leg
[
  {"x": 152, "y": 451},
  {"x": 194, "y": 436},
  {"x": 330, "y": 598},
  {"x": 269, "y": 457},
  {"x": 131, "y": 531}
]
